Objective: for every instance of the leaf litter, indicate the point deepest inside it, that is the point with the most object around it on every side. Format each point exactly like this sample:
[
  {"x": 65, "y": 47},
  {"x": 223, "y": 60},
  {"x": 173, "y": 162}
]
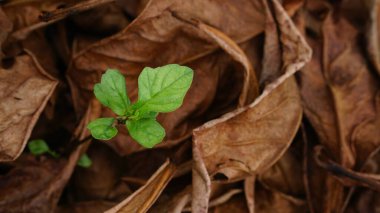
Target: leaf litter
[{"x": 282, "y": 114}]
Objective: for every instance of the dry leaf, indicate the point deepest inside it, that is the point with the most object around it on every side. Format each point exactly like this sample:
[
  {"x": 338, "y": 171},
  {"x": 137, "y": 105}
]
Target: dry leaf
[
  {"x": 143, "y": 198},
  {"x": 219, "y": 139},
  {"x": 250, "y": 88},
  {"x": 24, "y": 90},
  {"x": 250, "y": 140},
  {"x": 337, "y": 77}
]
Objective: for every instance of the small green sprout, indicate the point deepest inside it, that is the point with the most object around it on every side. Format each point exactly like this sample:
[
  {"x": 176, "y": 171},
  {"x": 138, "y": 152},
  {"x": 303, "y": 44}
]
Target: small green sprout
[
  {"x": 39, "y": 147},
  {"x": 161, "y": 90},
  {"x": 84, "y": 161}
]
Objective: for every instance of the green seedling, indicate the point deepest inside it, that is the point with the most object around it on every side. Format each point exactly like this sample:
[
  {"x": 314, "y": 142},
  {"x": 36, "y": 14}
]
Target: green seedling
[
  {"x": 39, "y": 147},
  {"x": 84, "y": 161},
  {"x": 161, "y": 90}
]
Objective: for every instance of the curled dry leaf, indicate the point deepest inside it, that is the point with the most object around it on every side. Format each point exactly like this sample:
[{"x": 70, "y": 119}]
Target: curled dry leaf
[
  {"x": 201, "y": 183},
  {"x": 250, "y": 140},
  {"x": 250, "y": 88},
  {"x": 346, "y": 176},
  {"x": 219, "y": 139},
  {"x": 249, "y": 193},
  {"x": 25, "y": 89},
  {"x": 365, "y": 199},
  {"x": 341, "y": 100},
  {"x": 143, "y": 198}
]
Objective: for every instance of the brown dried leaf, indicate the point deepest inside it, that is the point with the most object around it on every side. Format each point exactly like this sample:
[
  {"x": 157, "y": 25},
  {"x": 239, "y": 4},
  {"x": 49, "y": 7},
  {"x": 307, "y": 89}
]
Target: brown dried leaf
[
  {"x": 329, "y": 89},
  {"x": 363, "y": 199},
  {"x": 250, "y": 140},
  {"x": 201, "y": 185},
  {"x": 249, "y": 193},
  {"x": 340, "y": 96},
  {"x": 222, "y": 142},
  {"x": 250, "y": 88},
  {"x": 143, "y": 198},
  {"x": 25, "y": 89}
]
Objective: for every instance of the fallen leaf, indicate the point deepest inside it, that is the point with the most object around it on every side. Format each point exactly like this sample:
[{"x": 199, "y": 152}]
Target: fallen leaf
[
  {"x": 224, "y": 143},
  {"x": 250, "y": 88},
  {"x": 143, "y": 198},
  {"x": 25, "y": 90},
  {"x": 337, "y": 77}
]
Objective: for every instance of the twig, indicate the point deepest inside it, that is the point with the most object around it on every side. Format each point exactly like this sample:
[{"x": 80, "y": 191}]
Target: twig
[
  {"x": 62, "y": 13},
  {"x": 48, "y": 18}
]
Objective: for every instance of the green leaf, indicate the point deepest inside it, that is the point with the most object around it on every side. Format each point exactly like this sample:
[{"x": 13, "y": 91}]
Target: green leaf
[
  {"x": 163, "y": 89},
  {"x": 112, "y": 92},
  {"x": 38, "y": 147},
  {"x": 147, "y": 132},
  {"x": 102, "y": 128},
  {"x": 84, "y": 161}
]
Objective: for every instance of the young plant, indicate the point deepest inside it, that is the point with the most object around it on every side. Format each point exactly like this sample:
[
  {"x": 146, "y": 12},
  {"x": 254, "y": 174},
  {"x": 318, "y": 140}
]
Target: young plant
[
  {"x": 161, "y": 90},
  {"x": 39, "y": 147}
]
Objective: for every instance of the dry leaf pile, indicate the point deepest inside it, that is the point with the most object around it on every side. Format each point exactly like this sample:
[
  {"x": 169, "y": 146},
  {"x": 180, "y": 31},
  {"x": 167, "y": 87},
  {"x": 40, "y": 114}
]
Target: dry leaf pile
[{"x": 283, "y": 114}]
